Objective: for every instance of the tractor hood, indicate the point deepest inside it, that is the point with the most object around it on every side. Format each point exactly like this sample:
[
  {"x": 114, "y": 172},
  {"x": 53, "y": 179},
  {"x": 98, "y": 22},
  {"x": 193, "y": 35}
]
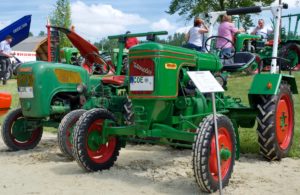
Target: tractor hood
[{"x": 86, "y": 49}]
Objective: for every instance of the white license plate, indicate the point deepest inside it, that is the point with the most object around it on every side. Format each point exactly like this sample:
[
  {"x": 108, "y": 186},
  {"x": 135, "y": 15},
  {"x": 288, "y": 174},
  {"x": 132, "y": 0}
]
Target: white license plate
[
  {"x": 141, "y": 83},
  {"x": 25, "y": 92}
]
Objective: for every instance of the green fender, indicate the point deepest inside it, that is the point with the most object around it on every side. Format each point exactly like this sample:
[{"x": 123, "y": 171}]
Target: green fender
[{"x": 268, "y": 84}]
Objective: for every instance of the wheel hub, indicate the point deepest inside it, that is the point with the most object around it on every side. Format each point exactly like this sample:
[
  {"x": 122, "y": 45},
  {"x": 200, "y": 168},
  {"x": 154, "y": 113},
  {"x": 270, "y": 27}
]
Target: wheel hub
[
  {"x": 225, "y": 145},
  {"x": 19, "y": 131},
  {"x": 94, "y": 140},
  {"x": 293, "y": 57},
  {"x": 225, "y": 154}
]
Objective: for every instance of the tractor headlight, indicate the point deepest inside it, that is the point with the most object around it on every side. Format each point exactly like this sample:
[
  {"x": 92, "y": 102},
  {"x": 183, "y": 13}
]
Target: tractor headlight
[{"x": 81, "y": 88}]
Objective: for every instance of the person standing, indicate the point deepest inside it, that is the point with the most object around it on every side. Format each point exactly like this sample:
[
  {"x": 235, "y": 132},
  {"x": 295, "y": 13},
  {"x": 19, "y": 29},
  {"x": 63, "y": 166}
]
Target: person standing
[
  {"x": 228, "y": 31},
  {"x": 262, "y": 30},
  {"x": 195, "y": 35},
  {"x": 5, "y": 55}
]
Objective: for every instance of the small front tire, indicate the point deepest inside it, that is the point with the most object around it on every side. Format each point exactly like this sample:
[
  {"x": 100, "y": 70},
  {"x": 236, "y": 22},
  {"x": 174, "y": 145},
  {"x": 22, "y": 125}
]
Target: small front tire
[
  {"x": 14, "y": 132},
  {"x": 205, "y": 156}
]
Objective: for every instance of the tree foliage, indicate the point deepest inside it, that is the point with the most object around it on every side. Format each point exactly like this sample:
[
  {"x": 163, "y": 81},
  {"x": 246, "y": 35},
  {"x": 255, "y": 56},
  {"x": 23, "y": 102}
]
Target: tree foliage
[
  {"x": 177, "y": 39},
  {"x": 61, "y": 16},
  {"x": 42, "y": 33},
  {"x": 192, "y": 8},
  {"x": 106, "y": 44}
]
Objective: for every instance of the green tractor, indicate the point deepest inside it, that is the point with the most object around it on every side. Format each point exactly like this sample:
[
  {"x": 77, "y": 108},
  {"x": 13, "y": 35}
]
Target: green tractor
[
  {"x": 166, "y": 105},
  {"x": 49, "y": 91}
]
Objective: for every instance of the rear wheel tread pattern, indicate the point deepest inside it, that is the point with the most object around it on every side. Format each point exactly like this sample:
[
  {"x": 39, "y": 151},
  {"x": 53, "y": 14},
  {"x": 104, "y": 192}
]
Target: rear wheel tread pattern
[{"x": 266, "y": 125}]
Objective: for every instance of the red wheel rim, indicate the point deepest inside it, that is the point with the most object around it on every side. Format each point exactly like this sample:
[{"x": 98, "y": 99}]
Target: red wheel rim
[
  {"x": 284, "y": 121},
  {"x": 225, "y": 142},
  {"x": 105, "y": 151},
  {"x": 33, "y": 136}
]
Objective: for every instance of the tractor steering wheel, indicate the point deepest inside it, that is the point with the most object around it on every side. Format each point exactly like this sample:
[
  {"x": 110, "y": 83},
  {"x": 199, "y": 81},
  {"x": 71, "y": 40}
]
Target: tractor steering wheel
[
  {"x": 211, "y": 44},
  {"x": 102, "y": 69}
]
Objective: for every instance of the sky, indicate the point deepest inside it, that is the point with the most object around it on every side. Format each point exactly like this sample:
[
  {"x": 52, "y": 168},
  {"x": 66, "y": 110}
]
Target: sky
[{"x": 95, "y": 19}]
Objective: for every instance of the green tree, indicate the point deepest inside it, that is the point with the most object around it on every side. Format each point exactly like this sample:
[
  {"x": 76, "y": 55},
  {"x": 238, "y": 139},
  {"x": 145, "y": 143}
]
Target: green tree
[
  {"x": 61, "y": 16},
  {"x": 31, "y": 34},
  {"x": 42, "y": 33},
  {"x": 106, "y": 44},
  {"x": 192, "y": 8}
]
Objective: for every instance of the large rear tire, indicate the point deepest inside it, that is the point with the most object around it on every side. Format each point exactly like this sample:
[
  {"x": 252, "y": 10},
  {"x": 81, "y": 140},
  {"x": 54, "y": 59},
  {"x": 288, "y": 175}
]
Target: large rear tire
[
  {"x": 65, "y": 132},
  {"x": 14, "y": 132},
  {"x": 204, "y": 153},
  {"x": 89, "y": 154},
  {"x": 276, "y": 123}
]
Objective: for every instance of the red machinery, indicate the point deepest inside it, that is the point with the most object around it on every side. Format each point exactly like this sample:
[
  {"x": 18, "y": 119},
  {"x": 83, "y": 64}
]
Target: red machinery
[{"x": 5, "y": 102}]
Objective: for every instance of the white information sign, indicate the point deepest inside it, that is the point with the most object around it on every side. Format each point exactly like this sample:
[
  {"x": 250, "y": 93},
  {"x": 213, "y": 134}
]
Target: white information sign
[
  {"x": 205, "y": 81},
  {"x": 25, "y": 92},
  {"x": 141, "y": 83}
]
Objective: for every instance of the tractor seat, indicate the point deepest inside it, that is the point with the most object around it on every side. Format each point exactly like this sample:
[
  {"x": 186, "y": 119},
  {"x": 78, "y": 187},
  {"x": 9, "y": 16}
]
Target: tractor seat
[
  {"x": 240, "y": 61},
  {"x": 114, "y": 80}
]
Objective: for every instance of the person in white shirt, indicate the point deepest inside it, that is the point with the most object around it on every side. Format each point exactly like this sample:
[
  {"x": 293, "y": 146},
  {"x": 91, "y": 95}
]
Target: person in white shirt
[
  {"x": 262, "y": 30},
  {"x": 195, "y": 35},
  {"x": 5, "y": 55}
]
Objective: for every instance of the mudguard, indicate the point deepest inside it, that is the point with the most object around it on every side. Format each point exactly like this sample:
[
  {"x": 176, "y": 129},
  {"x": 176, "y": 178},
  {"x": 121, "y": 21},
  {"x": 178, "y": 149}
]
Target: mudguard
[{"x": 268, "y": 84}]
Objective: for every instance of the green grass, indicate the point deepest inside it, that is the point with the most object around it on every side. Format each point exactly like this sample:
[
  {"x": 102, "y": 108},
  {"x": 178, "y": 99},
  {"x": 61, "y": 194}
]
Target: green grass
[{"x": 238, "y": 87}]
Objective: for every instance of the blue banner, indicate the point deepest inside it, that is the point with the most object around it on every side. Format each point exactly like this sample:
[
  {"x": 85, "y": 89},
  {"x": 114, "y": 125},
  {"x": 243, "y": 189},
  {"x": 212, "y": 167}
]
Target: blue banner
[{"x": 19, "y": 30}]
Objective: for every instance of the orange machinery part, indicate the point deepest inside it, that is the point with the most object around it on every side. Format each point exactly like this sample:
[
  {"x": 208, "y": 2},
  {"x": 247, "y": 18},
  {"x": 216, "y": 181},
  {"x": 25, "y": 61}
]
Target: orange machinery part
[{"x": 5, "y": 102}]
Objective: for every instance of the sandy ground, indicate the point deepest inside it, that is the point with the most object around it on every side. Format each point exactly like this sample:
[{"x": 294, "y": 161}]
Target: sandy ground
[{"x": 140, "y": 169}]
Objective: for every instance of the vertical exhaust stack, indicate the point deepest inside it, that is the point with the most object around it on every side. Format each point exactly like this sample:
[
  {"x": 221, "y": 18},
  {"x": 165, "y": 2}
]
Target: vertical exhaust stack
[{"x": 48, "y": 26}]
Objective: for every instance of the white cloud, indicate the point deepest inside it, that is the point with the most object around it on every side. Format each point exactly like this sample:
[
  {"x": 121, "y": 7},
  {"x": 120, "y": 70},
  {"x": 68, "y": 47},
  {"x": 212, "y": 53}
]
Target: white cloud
[
  {"x": 162, "y": 24},
  {"x": 100, "y": 20},
  {"x": 291, "y": 3}
]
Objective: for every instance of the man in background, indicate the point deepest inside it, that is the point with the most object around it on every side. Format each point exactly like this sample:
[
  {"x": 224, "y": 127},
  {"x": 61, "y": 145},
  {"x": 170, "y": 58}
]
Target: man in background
[
  {"x": 131, "y": 41},
  {"x": 5, "y": 55},
  {"x": 262, "y": 30}
]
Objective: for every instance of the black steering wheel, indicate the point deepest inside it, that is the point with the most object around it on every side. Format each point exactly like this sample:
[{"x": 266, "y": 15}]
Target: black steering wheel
[
  {"x": 98, "y": 68},
  {"x": 212, "y": 42}
]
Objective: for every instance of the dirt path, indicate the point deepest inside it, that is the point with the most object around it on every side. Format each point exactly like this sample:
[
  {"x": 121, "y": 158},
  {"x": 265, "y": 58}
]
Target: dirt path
[{"x": 139, "y": 170}]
